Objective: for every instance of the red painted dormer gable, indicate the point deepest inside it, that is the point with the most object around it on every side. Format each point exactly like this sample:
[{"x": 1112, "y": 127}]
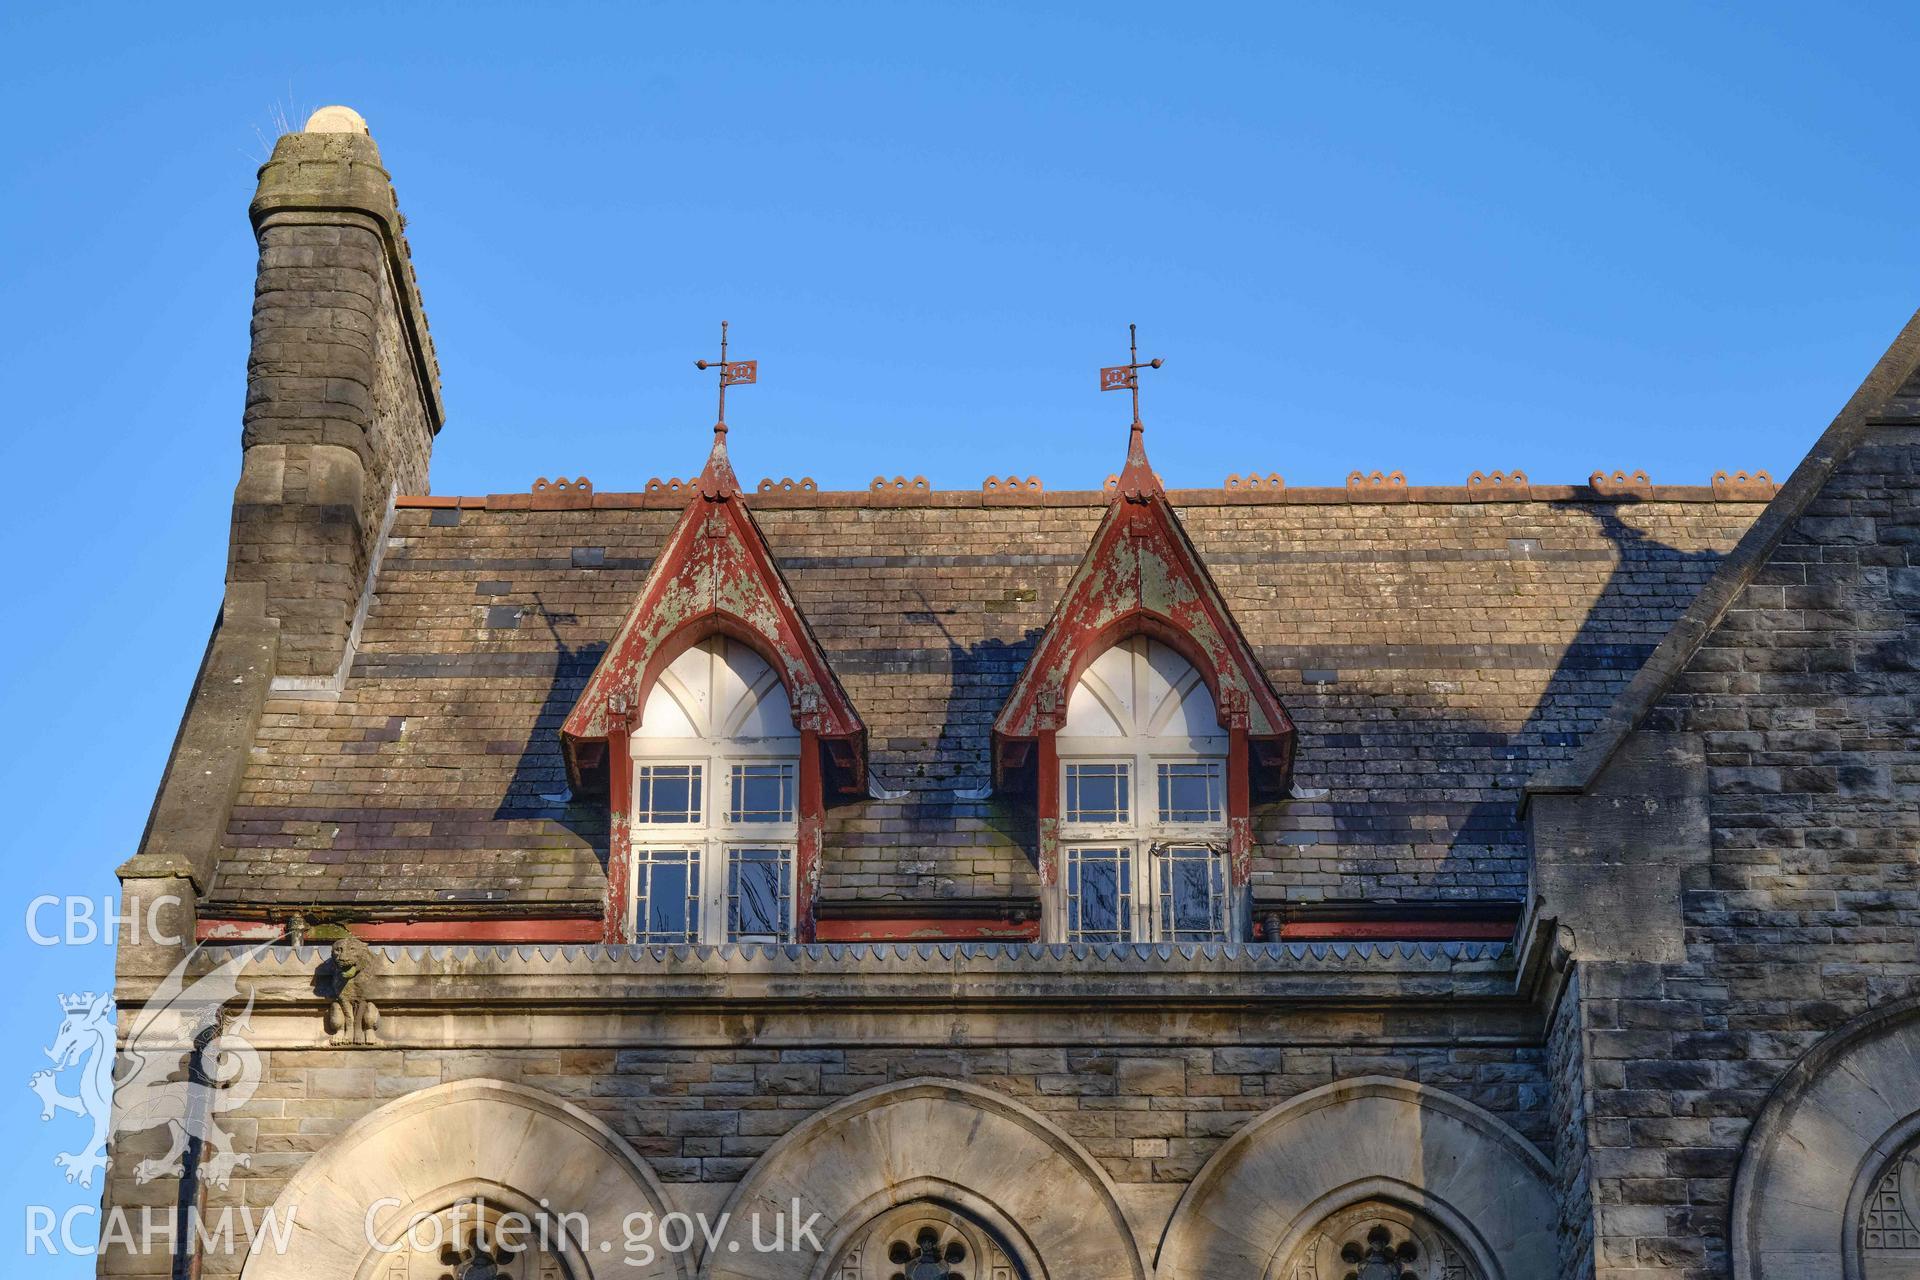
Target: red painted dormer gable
[
  {"x": 717, "y": 576},
  {"x": 1142, "y": 575}
]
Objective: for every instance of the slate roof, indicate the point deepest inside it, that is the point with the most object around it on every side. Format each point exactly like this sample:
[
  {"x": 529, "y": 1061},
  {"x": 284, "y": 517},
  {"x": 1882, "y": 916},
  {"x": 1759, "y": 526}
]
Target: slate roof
[{"x": 1434, "y": 650}]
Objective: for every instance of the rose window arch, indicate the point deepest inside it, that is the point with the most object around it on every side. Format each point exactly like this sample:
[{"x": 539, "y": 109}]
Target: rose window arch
[
  {"x": 927, "y": 1241},
  {"x": 1888, "y": 1244},
  {"x": 1379, "y": 1241},
  {"x": 473, "y": 1240}
]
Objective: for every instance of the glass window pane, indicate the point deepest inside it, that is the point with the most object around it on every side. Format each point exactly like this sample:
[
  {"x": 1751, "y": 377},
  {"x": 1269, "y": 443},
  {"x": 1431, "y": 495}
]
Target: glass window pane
[
  {"x": 667, "y": 895},
  {"x": 1190, "y": 792},
  {"x": 667, "y": 793},
  {"x": 762, "y": 793},
  {"x": 1096, "y": 793},
  {"x": 1192, "y": 894},
  {"x": 1099, "y": 895},
  {"x": 758, "y": 906}
]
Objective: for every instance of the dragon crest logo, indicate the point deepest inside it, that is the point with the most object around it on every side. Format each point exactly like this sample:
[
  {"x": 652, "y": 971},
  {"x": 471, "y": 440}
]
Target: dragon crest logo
[{"x": 185, "y": 1060}]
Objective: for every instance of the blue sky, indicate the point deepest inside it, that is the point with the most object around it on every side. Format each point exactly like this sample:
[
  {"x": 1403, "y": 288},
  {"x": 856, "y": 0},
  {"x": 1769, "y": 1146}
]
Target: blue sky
[{"x": 1433, "y": 238}]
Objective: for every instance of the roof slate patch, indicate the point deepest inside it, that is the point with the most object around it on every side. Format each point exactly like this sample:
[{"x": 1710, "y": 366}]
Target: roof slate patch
[{"x": 1463, "y": 667}]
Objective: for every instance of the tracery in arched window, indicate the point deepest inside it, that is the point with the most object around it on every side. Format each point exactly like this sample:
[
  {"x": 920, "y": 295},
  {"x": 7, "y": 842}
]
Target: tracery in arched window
[
  {"x": 925, "y": 1241},
  {"x": 716, "y": 763},
  {"x": 1143, "y": 802},
  {"x": 471, "y": 1240},
  {"x": 1378, "y": 1241},
  {"x": 1889, "y": 1230}
]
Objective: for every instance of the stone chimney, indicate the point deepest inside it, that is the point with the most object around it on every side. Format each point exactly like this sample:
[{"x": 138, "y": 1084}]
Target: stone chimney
[{"x": 343, "y": 390}]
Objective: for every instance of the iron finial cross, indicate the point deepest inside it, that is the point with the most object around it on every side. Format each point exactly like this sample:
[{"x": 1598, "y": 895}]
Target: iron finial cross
[
  {"x": 1126, "y": 377},
  {"x": 733, "y": 373}
]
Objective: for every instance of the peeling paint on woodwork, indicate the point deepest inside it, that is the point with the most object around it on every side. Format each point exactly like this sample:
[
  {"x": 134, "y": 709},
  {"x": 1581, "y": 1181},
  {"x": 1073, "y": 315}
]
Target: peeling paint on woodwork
[
  {"x": 717, "y": 576},
  {"x": 1240, "y": 847},
  {"x": 1161, "y": 590},
  {"x": 1142, "y": 569},
  {"x": 1141, "y": 574},
  {"x": 807, "y": 872},
  {"x": 693, "y": 591}
]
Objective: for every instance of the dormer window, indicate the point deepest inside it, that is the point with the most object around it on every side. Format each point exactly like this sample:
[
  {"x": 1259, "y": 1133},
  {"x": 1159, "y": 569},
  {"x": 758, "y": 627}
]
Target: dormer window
[
  {"x": 1143, "y": 834},
  {"x": 714, "y": 826},
  {"x": 718, "y": 732},
  {"x": 1143, "y": 725}
]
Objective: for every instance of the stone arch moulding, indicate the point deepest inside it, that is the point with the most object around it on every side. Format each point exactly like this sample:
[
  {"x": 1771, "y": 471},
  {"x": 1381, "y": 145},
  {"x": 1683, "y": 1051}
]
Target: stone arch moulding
[
  {"x": 1367, "y": 1139},
  {"x": 468, "y": 1211},
  {"x": 930, "y": 1198},
  {"x": 1831, "y": 1126},
  {"x": 453, "y": 1140},
  {"x": 938, "y": 1141}
]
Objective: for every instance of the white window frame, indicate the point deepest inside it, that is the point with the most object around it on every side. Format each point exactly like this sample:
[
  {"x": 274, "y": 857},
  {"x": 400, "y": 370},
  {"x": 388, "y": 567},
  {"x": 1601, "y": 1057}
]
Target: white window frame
[
  {"x": 1143, "y": 835},
  {"x": 648, "y": 856},
  {"x": 714, "y": 835}
]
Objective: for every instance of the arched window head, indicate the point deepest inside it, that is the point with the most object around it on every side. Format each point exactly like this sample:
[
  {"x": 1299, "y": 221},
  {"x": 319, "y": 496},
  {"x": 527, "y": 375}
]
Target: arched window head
[
  {"x": 926, "y": 1241},
  {"x": 1377, "y": 1241},
  {"x": 714, "y": 810},
  {"x": 1143, "y": 802},
  {"x": 1889, "y": 1228},
  {"x": 472, "y": 1239},
  {"x": 715, "y": 575}
]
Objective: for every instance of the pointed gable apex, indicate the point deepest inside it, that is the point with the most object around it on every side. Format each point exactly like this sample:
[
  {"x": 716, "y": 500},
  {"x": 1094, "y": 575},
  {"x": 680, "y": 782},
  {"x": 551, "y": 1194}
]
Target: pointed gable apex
[
  {"x": 716, "y": 575},
  {"x": 1142, "y": 575},
  {"x": 1889, "y": 396}
]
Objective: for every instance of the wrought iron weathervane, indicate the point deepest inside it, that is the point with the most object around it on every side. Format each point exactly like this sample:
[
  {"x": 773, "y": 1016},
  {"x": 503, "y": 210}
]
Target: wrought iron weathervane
[
  {"x": 733, "y": 373},
  {"x": 1126, "y": 377}
]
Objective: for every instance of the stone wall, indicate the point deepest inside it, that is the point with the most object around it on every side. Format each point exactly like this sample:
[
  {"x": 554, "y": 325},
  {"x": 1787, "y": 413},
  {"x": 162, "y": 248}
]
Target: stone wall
[
  {"x": 1148, "y": 1062},
  {"x": 1568, "y": 1118},
  {"x": 342, "y": 390},
  {"x": 702, "y": 1117},
  {"x": 1805, "y": 698}
]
